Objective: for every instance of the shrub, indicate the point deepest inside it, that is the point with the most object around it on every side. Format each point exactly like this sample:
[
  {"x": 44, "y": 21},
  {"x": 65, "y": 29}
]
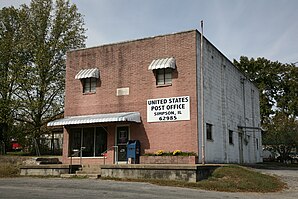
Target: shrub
[
  {"x": 177, "y": 152},
  {"x": 159, "y": 152},
  {"x": 8, "y": 170},
  {"x": 174, "y": 153}
]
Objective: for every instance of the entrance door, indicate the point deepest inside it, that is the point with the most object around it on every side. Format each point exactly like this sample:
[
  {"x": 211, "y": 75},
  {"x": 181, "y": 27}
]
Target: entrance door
[
  {"x": 122, "y": 139},
  {"x": 240, "y": 142}
]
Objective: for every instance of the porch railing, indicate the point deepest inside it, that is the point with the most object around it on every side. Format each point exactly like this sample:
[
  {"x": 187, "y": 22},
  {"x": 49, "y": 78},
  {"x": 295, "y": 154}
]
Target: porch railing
[
  {"x": 116, "y": 154},
  {"x": 76, "y": 153}
]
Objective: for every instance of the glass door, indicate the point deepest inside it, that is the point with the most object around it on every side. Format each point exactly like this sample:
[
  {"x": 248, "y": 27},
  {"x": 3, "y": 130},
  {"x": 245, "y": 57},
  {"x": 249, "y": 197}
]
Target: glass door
[{"x": 122, "y": 139}]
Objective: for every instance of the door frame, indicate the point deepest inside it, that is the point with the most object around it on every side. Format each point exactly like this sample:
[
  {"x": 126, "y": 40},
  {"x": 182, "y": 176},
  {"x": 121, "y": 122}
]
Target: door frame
[{"x": 116, "y": 143}]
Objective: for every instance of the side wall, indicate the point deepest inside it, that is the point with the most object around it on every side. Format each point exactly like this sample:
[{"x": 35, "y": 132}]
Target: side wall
[{"x": 230, "y": 102}]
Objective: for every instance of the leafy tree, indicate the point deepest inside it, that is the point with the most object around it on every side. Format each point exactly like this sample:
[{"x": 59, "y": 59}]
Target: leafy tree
[
  {"x": 40, "y": 36},
  {"x": 287, "y": 96},
  {"x": 282, "y": 134},
  {"x": 278, "y": 85},
  {"x": 51, "y": 30},
  {"x": 12, "y": 57},
  {"x": 264, "y": 74},
  {"x": 277, "y": 82}
]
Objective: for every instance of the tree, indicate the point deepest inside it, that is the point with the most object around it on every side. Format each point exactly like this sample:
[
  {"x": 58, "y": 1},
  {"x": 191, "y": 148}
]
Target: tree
[
  {"x": 287, "y": 96},
  {"x": 51, "y": 30},
  {"x": 44, "y": 32},
  {"x": 282, "y": 134},
  {"x": 12, "y": 57},
  {"x": 276, "y": 82},
  {"x": 278, "y": 85}
]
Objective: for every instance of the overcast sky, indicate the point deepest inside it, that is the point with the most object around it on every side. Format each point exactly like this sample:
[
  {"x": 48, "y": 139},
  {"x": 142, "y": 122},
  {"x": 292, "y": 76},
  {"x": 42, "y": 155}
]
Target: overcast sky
[{"x": 253, "y": 28}]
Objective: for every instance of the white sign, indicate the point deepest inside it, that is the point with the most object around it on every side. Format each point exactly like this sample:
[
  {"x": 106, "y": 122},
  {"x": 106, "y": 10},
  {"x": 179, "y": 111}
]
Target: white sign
[{"x": 168, "y": 109}]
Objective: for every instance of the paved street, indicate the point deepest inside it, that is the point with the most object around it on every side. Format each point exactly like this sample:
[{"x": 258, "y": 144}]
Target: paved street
[{"x": 30, "y": 188}]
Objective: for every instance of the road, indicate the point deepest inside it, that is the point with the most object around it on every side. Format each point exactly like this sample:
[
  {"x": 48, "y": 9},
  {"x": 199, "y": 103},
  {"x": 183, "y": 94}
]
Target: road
[{"x": 31, "y": 188}]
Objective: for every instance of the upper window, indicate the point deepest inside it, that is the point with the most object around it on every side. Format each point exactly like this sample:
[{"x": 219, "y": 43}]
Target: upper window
[
  {"x": 89, "y": 85},
  {"x": 88, "y": 78},
  {"x": 163, "y": 69},
  {"x": 164, "y": 76},
  {"x": 209, "y": 131}
]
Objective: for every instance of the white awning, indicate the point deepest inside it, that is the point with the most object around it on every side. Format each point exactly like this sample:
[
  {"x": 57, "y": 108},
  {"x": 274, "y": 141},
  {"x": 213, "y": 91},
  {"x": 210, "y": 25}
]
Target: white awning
[
  {"x": 88, "y": 73},
  {"x": 163, "y": 63},
  {"x": 98, "y": 118}
]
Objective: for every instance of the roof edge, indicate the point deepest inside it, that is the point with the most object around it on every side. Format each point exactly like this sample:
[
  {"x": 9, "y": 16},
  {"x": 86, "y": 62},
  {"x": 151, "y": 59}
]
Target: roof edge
[{"x": 132, "y": 40}]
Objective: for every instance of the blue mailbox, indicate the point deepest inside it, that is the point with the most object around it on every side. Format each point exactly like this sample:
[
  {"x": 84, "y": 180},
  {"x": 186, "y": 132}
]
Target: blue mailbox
[{"x": 133, "y": 151}]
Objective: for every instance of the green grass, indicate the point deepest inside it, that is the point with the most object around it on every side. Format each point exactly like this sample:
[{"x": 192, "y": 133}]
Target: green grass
[
  {"x": 228, "y": 179},
  {"x": 240, "y": 179},
  {"x": 18, "y": 153}
]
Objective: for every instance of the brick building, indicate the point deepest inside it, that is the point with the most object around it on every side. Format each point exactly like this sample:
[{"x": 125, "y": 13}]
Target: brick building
[{"x": 149, "y": 90}]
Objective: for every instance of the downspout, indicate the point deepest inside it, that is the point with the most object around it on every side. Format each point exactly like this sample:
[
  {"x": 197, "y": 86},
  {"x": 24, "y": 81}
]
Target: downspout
[{"x": 202, "y": 97}]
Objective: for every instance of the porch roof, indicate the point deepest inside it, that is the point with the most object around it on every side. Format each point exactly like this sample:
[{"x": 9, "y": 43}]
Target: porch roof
[{"x": 98, "y": 118}]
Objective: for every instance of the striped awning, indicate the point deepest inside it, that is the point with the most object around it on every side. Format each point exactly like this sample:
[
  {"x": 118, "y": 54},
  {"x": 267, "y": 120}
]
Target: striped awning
[
  {"x": 88, "y": 73},
  {"x": 163, "y": 63},
  {"x": 98, "y": 118}
]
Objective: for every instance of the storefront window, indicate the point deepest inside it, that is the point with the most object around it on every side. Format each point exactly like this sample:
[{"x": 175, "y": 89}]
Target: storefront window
[{"x": 92, "y": 140}]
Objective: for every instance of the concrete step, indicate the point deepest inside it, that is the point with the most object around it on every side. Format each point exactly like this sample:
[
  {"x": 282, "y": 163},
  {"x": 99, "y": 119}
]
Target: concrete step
[
  {"x": 66, "y": 175},
  {"x": 91, "y": 176},
  {"x": 88, "y": 172},
  {"x": 89, "y": 169}
]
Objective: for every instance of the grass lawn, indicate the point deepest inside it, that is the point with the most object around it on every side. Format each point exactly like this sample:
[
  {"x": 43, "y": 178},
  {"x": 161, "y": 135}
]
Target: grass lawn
[{"x": 230, "y": 178}]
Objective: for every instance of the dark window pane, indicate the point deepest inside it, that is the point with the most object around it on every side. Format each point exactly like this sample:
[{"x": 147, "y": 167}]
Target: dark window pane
[
  {"x": 89, "y": 85},
  {"x": 74, "y": 140},
  {"x": 88, "y": 142},
  {"x": 100, "y": 141},
  {"x": 230, "y": 137},
  {"x": 164, "y": 76},
  {"x": 93, "y": 85},
  {"x": 209, "y": 131}
]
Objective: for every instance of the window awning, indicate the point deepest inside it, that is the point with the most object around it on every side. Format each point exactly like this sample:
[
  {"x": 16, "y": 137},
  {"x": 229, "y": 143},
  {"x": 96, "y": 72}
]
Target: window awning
[
  {"x": 163, "y": 63},
  {"x": 98, "y": 118},
  {"x": 88, "y": 73}
]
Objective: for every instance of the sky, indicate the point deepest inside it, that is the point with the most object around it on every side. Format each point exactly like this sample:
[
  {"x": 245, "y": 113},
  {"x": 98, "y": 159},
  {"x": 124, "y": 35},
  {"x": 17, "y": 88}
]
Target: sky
[{"x": 252, "y": 28}]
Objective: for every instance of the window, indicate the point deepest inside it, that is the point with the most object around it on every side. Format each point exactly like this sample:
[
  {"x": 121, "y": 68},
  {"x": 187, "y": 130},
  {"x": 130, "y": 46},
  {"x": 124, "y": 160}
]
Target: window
[
  {"x": 164, "y": 76},
  {"x": 94, "y": 141},
  {"x": 257, "y": 143},
  {"x": 209, "y": 131},
  {"x": 231, "y": 137},
  {"x": 89, "y": 85}
]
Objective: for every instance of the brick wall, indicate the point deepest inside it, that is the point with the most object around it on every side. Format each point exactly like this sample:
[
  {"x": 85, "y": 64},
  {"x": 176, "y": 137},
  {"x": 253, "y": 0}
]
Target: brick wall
[
  {"x": 126, "y": 64},
  {"x": 228, "y": 102}
]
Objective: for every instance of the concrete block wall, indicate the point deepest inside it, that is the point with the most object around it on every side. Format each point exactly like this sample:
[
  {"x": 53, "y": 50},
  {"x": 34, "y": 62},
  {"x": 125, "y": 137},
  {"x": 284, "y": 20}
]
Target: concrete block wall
[{"x": 230, "y": 100}]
